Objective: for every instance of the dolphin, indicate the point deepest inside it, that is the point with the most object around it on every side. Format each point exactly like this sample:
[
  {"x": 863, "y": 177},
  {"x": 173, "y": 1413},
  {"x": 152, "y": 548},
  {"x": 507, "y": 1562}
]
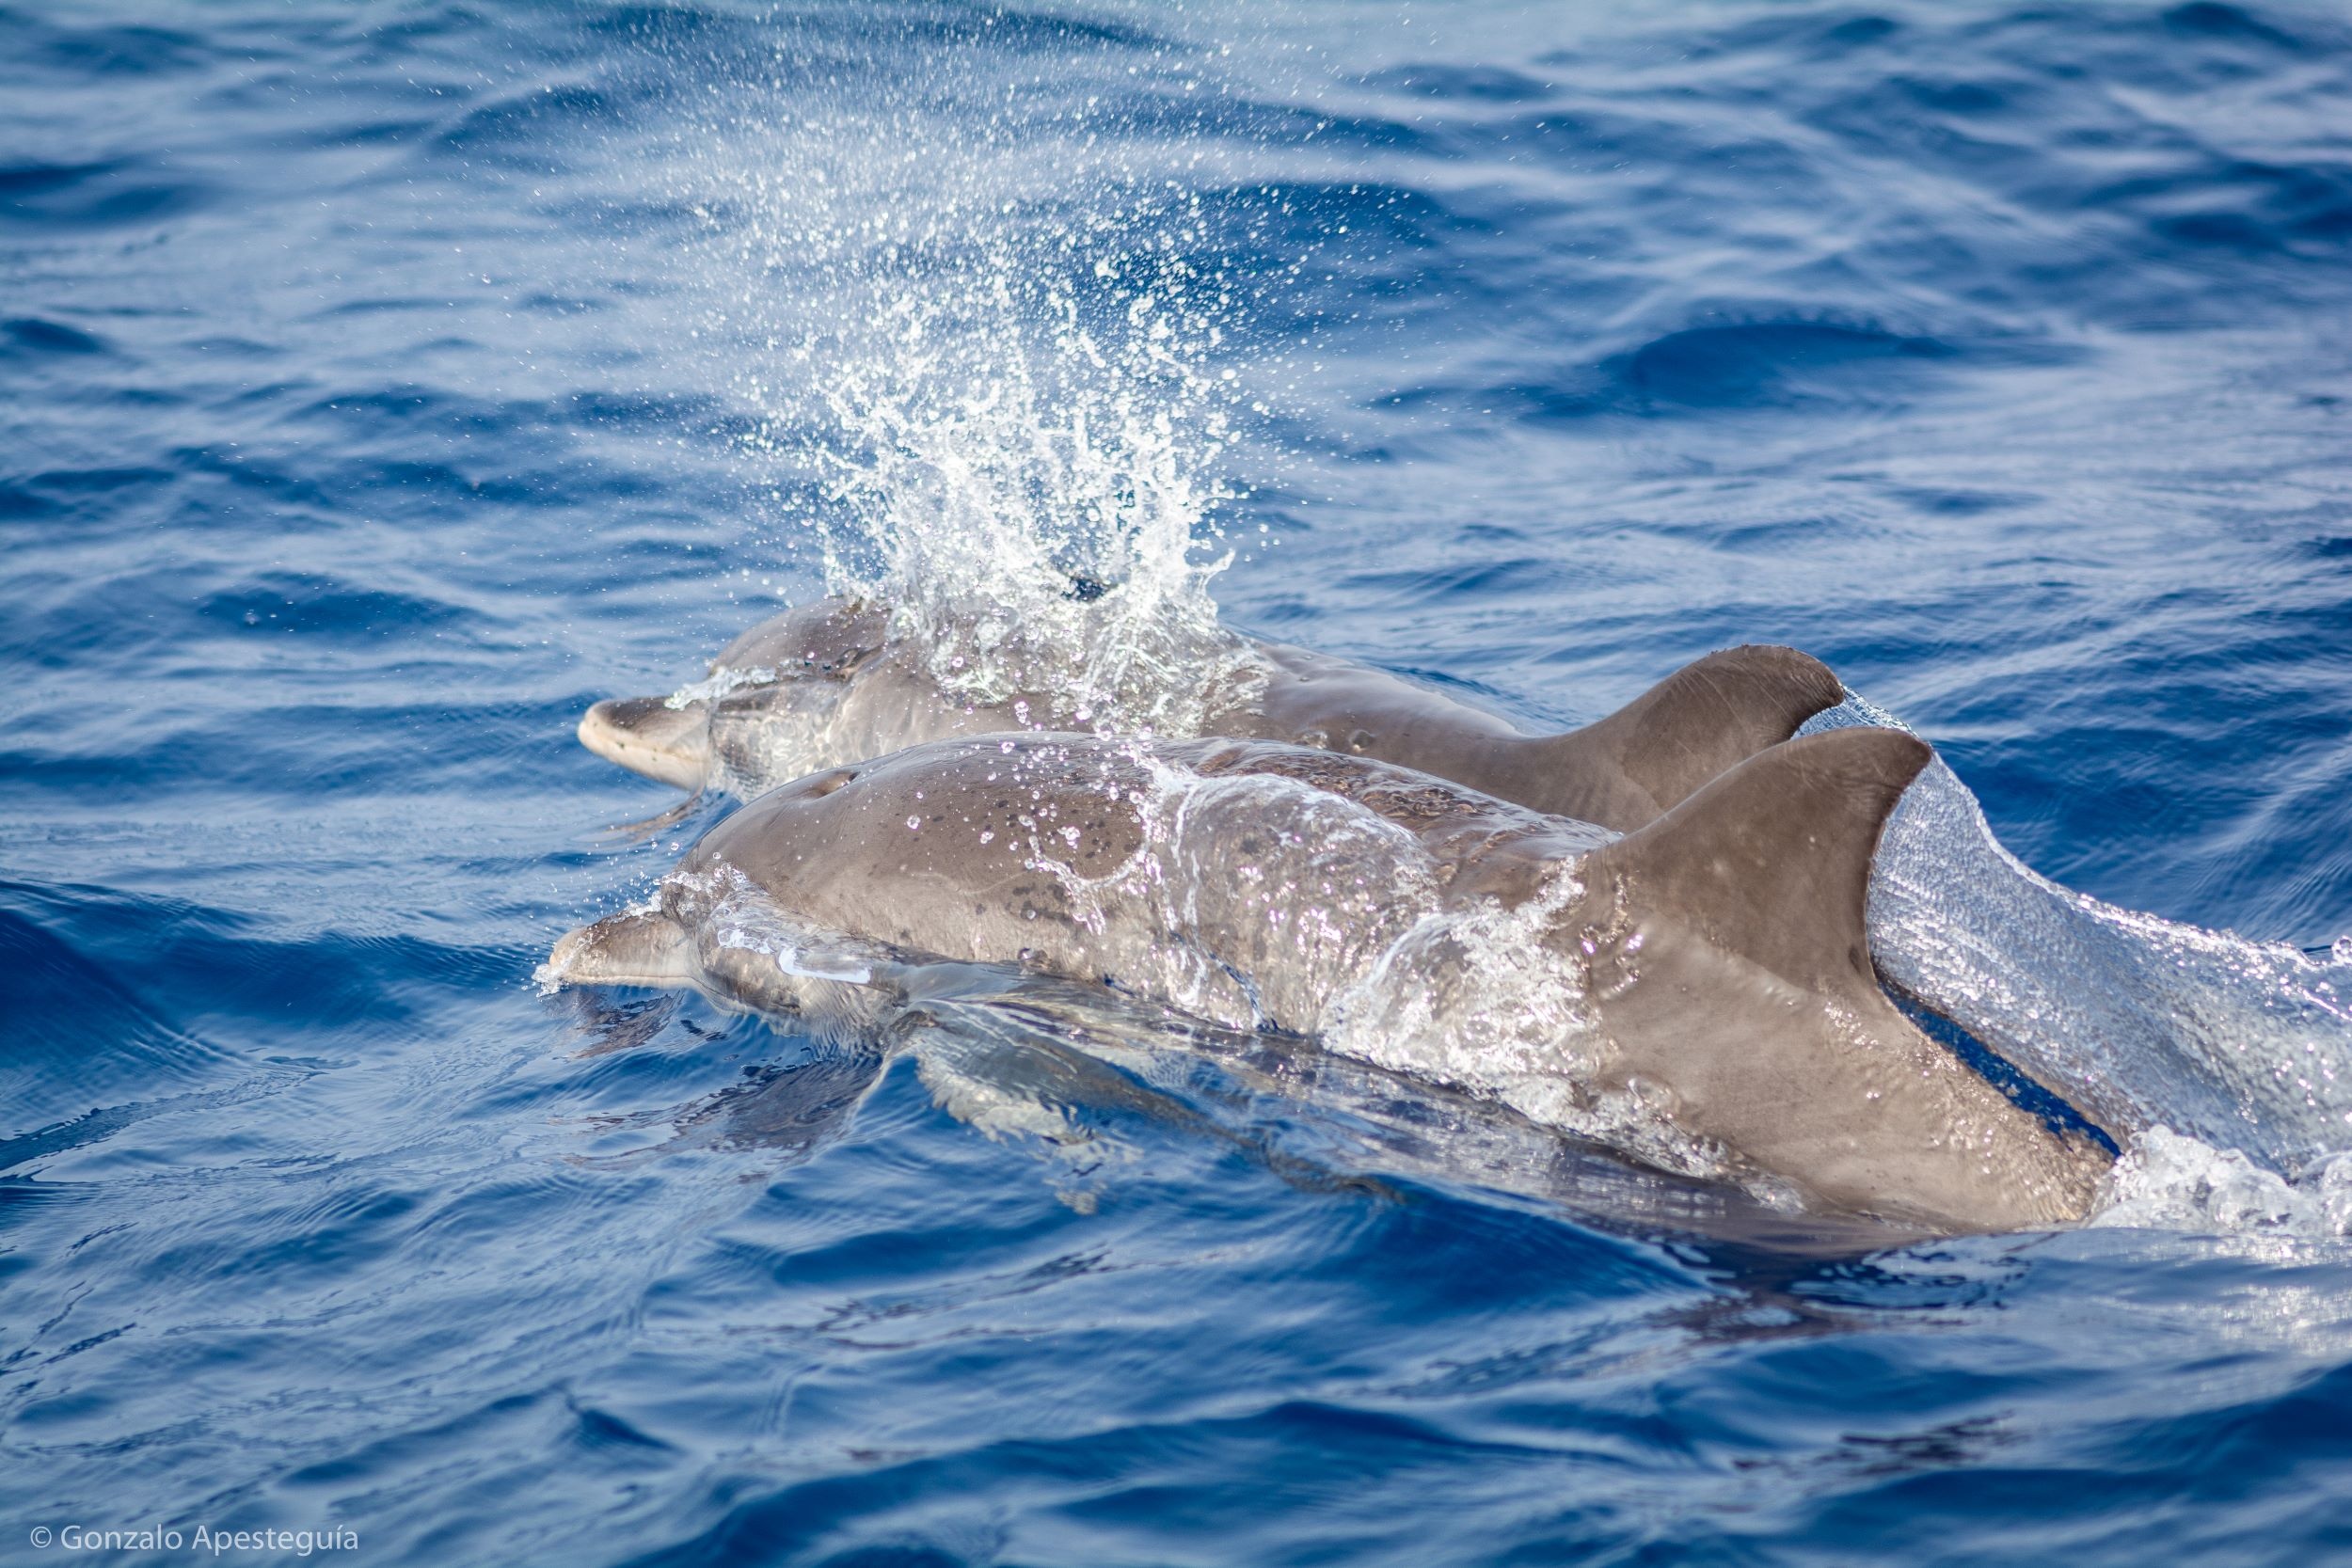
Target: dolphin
[
  {"x": 826, "y": 686},
  {"x": 1700, "y": 988}
]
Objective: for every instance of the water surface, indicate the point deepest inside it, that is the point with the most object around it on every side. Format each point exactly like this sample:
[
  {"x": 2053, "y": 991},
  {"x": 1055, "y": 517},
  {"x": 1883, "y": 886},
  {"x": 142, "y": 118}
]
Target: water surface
[{"x": 382, "y": 384}]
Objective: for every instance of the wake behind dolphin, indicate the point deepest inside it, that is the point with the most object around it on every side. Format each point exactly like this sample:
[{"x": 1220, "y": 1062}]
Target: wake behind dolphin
[{"x": 2147, "y": 1023}]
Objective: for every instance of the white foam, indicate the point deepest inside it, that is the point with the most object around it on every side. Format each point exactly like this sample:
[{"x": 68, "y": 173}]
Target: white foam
[{"x": 2167, "y": 1180}]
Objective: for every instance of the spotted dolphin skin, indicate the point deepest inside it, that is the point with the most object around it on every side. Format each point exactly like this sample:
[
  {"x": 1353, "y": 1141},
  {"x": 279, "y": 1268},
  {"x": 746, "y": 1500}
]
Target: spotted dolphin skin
[
  {"x": 823, "y": 686},
  {"x": 1709, "y": 967}
]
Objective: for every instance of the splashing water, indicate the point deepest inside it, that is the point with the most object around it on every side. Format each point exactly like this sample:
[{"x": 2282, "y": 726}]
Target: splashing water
[
  {"x": 1036, "y": 528},
  {"x": 1007, "y": 416},
  {"x": 2169, "y": 1180},
  {"x": 2201, "y": 1048}
]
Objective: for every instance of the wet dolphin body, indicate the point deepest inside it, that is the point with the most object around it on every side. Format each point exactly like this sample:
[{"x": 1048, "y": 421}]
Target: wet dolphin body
[
  {"x": 823, "y": 687},
  {"x": 1711, "y": 963},
  {"x": 2134, "y": 1021}
]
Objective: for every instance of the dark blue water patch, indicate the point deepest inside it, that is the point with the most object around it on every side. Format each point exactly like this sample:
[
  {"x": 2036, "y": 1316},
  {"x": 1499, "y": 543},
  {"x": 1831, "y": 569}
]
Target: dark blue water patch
[
  {"x": 20, "y": 505},
  {"x": 157, "y": 615},
  {"x": 1963, "y": 503},
  {"x": 1778, "y": 364},
  {"x": 2208, "y": 19},
  {"x": 1473, "y": 83},
  {"x": 79, "y": 1032},
  {"x": 41, "y": 47},
  {"x": 112, "y": 194},
  {"x": 31, "y": 337},
  {"x": 2149, "y": 1500},
  {"x": 443, "y": 415},
  {"x": 525, "y": 120},
  {"x": 212, "y": 974},
  {"x": 2050, "y": 1108},
  {"x": 1522, "y": 576},
  {"x": 320, "y": 607},
  {"x": 97, "y": 482},
  {"x": 1745, "y": 364}
]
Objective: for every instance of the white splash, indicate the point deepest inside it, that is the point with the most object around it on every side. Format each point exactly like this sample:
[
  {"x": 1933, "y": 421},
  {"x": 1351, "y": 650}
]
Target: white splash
[
  {"x": 719, "y": 683},
  {"x": 2167, "y": 1180},
  {"x": 993, "y": 393}
]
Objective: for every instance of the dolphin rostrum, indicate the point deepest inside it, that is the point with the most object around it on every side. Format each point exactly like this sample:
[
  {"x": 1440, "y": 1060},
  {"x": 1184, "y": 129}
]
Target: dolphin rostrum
[
  {"x": 1699, "y": 991},
  {"x": 825, "y": 686}
]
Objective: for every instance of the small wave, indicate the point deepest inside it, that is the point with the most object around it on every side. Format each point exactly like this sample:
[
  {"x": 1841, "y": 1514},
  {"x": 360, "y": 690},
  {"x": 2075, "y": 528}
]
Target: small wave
[
  {"x": 1741, "y": 364},
  {"x": 115, "y": 193},
  {"x": 56, "y": 1001},
  {"x": 34, "y": 335}
]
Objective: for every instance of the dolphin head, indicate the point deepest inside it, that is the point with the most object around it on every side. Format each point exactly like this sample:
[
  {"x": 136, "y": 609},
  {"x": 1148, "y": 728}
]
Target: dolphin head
[
  {"x": 789, "y": 666},
  {"x": 649, "y": 735}
]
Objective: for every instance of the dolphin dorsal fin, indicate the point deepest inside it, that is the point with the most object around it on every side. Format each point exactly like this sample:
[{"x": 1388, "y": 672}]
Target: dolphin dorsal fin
[
  {"x": 1726, "y": 951},
  {"x": 1668, "y": 743},
  {"x": 1771, "y": 861}
]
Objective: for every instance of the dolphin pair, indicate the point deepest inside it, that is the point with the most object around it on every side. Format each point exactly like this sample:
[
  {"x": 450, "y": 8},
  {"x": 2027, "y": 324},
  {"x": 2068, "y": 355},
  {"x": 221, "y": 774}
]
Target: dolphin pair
[
  {"x": 2133, "y": 1020},
  {"x": 1708, "y": 969}
]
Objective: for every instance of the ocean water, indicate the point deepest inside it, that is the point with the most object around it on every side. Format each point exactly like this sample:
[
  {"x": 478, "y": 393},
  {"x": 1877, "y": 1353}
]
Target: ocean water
[{"x": 381, "y": 385}]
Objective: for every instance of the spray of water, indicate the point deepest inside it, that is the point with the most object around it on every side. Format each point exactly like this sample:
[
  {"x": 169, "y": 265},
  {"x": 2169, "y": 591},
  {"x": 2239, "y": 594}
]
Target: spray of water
[
  {"x": 996, "y": 354},
  {"x": 1023, "y": 492}
]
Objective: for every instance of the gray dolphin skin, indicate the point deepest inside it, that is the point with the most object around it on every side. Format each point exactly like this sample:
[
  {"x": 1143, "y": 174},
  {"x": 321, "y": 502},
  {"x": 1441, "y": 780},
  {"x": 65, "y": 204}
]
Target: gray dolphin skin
[
  {"x": 1709, "y": 967},
  {"x": 822, "y": 687}
]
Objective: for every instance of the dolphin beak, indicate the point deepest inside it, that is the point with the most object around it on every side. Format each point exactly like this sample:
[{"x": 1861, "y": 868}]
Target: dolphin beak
[
  {"x": 641, "y": 948},
  {"x": 647, "y": 735}
]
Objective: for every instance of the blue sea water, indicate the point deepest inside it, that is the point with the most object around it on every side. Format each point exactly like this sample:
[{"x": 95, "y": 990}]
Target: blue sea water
[{"x": 382, "y": 384}]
